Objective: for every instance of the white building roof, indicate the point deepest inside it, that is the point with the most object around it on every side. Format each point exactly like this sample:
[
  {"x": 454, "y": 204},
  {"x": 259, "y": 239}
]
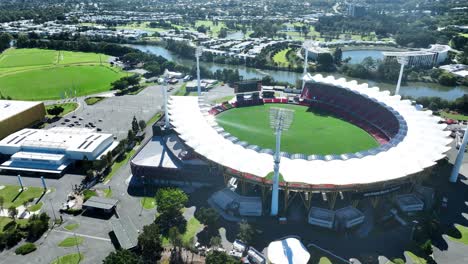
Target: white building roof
[
  {"x": 9, "y": 108},
  {"x": 55, "y": 140},
  {"x": 288, "y": 251},
  {"x": 424, "y": 144}
]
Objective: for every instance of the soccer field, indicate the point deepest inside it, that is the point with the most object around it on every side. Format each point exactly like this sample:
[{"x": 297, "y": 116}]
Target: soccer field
[
  {"x": 36, "y": 74},
  {"x": 310, "y": 133}
]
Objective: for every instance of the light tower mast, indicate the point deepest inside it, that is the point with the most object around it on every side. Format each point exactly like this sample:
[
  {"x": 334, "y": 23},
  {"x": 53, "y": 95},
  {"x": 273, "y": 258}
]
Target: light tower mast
[
  {"x": 459, "y": 159},
  {"x": 280, "y": 120},
  {"x": 166, "y": 110},
  {"x": 306, "y": 46},
  {"x": 198, "y": 53},
  {"x": 403, "y": 60}
]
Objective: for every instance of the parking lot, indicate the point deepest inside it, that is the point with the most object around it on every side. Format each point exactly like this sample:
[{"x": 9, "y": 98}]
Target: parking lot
[{"x": 114, "y": 114}]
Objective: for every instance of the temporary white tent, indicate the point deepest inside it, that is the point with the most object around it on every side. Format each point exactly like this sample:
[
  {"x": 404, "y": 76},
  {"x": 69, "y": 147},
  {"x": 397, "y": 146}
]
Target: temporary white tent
[{"x": 287, "y": 251}]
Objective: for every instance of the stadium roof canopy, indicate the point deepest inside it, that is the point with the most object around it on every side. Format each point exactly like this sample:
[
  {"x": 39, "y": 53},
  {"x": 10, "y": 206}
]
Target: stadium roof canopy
[{"x": 424, "y": 144}]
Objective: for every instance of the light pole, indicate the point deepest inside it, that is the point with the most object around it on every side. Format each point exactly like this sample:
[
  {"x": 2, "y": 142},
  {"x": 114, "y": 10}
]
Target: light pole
[
  {"x": 198, "y": 53},
  {"x": 306, "y": 46},
  {"x": 144, "y": 194},
  {"x": 166, "y": 111},
  {"x": 459, "y": 159},
  {"x": 403, "y": 60},
  {"x": 280, "y": 120}
]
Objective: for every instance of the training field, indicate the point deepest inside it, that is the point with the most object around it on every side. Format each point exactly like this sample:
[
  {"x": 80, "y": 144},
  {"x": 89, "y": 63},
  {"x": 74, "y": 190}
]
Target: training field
[
  {"x": 310, "y": 133},
  {"x": 36, "y": 74}
]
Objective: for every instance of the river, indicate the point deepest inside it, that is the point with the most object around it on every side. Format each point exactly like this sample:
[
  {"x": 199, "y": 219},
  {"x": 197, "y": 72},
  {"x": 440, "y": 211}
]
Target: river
[{"x": 415, "y": 89}]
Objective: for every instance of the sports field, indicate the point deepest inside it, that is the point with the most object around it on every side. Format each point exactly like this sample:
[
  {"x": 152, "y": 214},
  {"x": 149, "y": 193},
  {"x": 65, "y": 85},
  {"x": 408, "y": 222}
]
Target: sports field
[
  {"x": 36, "y": 74},
  {"x": 310, "y": 133}
]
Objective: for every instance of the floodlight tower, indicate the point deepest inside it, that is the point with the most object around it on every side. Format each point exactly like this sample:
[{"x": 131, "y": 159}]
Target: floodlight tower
[
  {"x": 198, "y": 53},
  {"x": 280, "y": 120},
  {"x": 403, "y": 60},
  {"x": 306, "y": 46},
  {"x": 166, "y": 111},
  {"x": 459, "y": 159}
]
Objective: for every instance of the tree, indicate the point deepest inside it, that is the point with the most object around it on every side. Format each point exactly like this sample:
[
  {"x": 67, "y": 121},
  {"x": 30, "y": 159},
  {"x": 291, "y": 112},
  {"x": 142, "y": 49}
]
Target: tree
[
  {"x": 222, "y": 33},
  {"x": 174, "y": 237},
  {"x": 170, "y": 219},
  {"x": 12, "y": 212},
  {"x": 338, "y": 55},
  {"x": 170, "y": 199},
  {"x": 325, "y": 62},
  {"x": 55, "y": 111},
  {"x": 130, "y": 136},
  {"x": 135, "y": 126},
  {"x": 5, "y": 39},
  {"x": 22, "y": 41},
  {"x": 122, "y": 257},
  {"x": 448, "y": 79},
  {"x": 217, "y": 257},
  {"x": 246, "y": 232},
  {"x": 149, "y": 243},
  {"x": 215, "y": 241},
  {"x": 207, "y": 216},
  {"x": 142, "y": 125},
  {"x": 37, "y": 225}
]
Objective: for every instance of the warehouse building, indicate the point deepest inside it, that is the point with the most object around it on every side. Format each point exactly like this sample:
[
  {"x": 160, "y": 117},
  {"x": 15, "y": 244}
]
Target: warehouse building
[
  {"x": 53, "y": 150},
  {"x": 16, "y": 115}
]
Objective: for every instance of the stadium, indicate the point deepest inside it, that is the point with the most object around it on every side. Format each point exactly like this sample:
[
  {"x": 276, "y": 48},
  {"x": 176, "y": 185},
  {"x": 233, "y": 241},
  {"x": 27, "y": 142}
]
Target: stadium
[{"x": 346, "y": 139}]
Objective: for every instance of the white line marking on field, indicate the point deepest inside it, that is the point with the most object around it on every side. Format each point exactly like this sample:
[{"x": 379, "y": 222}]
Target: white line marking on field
[{"x": 82, "y": 235}]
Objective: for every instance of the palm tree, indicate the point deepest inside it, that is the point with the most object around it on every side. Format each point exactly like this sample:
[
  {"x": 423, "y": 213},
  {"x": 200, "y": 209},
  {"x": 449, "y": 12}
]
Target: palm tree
[
  {"x": 13, "y": 212},
  {"x": 2, "y": 202}
]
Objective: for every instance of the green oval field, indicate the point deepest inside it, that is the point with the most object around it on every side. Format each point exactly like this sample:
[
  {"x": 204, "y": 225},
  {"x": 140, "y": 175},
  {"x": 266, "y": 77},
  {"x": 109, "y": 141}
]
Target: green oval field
[
  {"x": 35, "y": 74},
  {"x": 310, "y": 133}
]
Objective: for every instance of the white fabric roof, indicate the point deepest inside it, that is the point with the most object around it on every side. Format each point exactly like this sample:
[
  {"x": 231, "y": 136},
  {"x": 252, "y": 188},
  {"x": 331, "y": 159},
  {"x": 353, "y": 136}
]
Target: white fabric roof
[
  {"x": 287, "y": 251},
  {"x": 424, "y": 144}
]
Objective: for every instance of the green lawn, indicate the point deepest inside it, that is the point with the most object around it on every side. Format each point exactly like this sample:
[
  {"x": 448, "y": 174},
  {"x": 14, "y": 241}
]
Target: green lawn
[
  {"x": 148, "y": 202},
  {"x": 52, "y": 83},
  {"x": 36, "y": 74},
  {"x": 280, "y": 57},
  {"x": 183, "y": 91},
  {"x": 107, "y": 193},
  {"x": 10, "y": 194},
  {"x": 5, "y": 220},
  {"x": 93, "y": 100},
  {"x": 154, "y": 118},
  {"x": 454, "y": 116},
  {"x": 324, "y": 260},
  {"x": 88, "y": 194},
  {"x": 71, "y": 241},
  {"x": 74, "y": 258},
  {"x": 193, "y": 226},
  {"x": 67, "y": 108},
  {"x": 223, "y": 99},
  {"x": 118, "y": 164},
  {"x": 310, "y": 133},
  {"x": 464, "y": 234},
  {"x": 416, "y": 259},
  {"x": 35, "y": 207},
  {"x": 71, "y": 227}
]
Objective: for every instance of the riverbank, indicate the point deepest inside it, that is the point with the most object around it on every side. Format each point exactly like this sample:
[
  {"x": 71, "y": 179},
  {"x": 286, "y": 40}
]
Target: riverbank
[{"x": 413, "y": 89}]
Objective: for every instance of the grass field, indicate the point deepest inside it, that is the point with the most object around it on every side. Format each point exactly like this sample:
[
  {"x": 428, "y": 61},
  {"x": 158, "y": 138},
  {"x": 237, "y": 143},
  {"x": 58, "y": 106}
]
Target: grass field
[
  {"x": 148, "y": 203},
  {"x": 13, "y": 197},
  {"x": 280, "y": 57},
  {"x": 71, "y": 241},
  {"x": 74, "y": 258},
  {"x": 5, "y": 220},
  {"x": 464, "y": 234},
  {"x": 454, "y": 116},
  {"x": 71, "y": 227},
  {"x": 35, "y": 74},
  {"x": 310, "y": 133}
]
